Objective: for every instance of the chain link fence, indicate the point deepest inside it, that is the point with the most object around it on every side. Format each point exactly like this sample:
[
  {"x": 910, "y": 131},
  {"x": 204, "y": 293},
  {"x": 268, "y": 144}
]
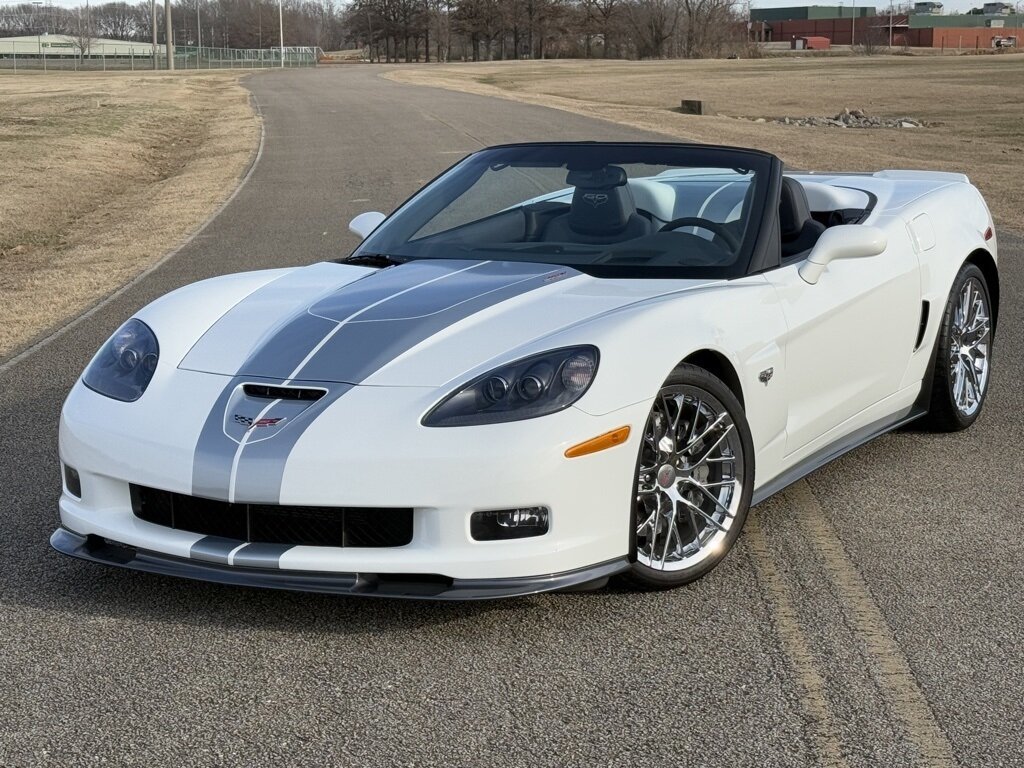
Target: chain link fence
[{"x": 101, "y": 57}]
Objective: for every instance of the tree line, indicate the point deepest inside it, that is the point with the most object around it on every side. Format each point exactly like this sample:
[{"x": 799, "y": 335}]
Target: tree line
[
  {"x": 485, "y": 30},
  {"x": 415, "y": 30},
  {"x": 219, "y": 23}
]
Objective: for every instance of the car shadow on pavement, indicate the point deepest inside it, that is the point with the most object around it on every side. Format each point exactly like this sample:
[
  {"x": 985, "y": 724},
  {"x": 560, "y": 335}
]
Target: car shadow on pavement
[{"x": 62, "y": 584}]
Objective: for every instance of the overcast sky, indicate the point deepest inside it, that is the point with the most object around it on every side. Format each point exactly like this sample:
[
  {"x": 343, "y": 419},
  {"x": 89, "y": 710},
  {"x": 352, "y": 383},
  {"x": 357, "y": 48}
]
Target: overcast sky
[{"x": 951, "y": 6}]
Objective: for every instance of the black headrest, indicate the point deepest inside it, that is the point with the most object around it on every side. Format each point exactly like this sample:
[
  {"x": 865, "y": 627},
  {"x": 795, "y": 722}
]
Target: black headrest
[
  {"x": 794, "y": 210},
  {"x": 602, "y": 203}
]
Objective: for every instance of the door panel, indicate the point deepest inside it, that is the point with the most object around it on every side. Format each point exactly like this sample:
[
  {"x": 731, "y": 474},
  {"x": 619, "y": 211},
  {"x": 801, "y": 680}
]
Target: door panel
[{"x": 850, "y": 336}]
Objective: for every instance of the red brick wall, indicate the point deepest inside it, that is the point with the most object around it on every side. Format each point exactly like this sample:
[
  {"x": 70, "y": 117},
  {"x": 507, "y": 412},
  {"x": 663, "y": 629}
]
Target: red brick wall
[
  {"x": 838, "y": 32},
  {"x": 969, "y": 38}
]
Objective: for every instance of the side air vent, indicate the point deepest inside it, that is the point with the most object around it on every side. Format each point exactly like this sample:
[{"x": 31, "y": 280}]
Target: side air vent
[
  {"x": 268, "y": 392},
  {"x": 924, "y": 324}
]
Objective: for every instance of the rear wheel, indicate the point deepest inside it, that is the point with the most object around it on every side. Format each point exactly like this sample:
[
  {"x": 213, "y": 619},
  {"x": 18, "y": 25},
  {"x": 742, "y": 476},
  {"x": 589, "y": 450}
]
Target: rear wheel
[
  {"x": 694, "y": 480},
  {"x": 963, "y": 356}
]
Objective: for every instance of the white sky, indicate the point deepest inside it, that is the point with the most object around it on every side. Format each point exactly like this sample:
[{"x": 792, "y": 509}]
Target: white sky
[{"x": 951, "y": 6}]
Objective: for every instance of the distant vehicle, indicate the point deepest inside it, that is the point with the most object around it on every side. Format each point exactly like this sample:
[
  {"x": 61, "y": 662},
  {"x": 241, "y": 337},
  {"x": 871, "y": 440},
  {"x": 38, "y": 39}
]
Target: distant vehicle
[
  {"x": 1004, "y": 42},
  {"x": 554, "y": 364}
]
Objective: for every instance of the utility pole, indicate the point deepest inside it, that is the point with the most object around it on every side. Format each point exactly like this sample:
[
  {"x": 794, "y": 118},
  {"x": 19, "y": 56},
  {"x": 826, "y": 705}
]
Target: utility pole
[
  {"x": 280, "y": 27},
  {"x": 853, "y": 23},
  {"x": 152, "y": 6},
  {"x": 199, "y": 32},
  {"x": 890, "y": 27},
  {"x": 168, "y": 33}
]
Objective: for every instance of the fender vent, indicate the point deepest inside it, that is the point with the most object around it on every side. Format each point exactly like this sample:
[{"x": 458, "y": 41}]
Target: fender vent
[
  {"x": 924, "y": 324},
  {"x": 268, "y": 392}
]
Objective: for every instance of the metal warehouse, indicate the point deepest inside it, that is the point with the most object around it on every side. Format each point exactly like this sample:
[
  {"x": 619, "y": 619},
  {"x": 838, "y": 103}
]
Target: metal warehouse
[{"x": 63, "y": 46}]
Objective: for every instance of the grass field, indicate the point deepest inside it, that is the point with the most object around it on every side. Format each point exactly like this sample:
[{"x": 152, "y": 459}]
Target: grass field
[
  {"x": 102, "y": 174},
  {"x": 975, "y": 98}
]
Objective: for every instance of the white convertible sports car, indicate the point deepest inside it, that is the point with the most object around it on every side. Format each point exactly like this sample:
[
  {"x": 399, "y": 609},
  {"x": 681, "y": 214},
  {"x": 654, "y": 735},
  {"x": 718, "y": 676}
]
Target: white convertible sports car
[{"x": 554, "y": 364}]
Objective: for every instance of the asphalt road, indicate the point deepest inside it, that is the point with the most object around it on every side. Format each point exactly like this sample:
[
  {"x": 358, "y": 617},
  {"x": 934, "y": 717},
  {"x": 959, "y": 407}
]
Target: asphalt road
[{"x": 869, "y": 616}]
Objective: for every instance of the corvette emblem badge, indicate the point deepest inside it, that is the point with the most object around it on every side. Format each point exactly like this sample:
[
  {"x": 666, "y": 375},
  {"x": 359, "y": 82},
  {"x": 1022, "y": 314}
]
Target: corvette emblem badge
[
  {"x": 250, "y": 423},
  {"x": 766, "y": 375},
  {"x": 595, "y": 199}
]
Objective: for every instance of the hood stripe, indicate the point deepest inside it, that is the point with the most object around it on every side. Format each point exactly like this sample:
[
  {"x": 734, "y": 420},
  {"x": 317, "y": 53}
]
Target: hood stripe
[
  {"x": 250, "y": 471},
  {"x": 361, "y": 348},
  {"x": 246, "y": 326},
  {"x": 391, "y": 317},
  {"x": 299, "y": 369}
]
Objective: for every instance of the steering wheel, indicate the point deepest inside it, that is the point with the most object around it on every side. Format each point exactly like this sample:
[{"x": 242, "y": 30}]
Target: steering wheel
[{"x": 710, "y": 226}]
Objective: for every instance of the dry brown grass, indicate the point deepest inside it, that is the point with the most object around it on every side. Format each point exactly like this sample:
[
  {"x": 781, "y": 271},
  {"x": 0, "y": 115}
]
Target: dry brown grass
[
  {"x": 976, "y": 98},
  {"x": 102, "y": 174}
]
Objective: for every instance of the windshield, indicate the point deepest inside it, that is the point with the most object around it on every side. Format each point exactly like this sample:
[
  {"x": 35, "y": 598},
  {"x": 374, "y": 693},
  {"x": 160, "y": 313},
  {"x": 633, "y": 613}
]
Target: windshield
[{"x": 615, "y": 210}]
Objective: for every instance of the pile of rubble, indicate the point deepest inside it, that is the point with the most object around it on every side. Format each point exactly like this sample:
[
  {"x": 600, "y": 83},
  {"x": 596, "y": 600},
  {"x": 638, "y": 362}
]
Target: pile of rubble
[{"x": 848, "y": 118}]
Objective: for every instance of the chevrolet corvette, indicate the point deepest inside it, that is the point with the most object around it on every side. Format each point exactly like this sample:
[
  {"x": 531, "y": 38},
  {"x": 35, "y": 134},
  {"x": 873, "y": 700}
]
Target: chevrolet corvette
[{"x": 554, "y": 364}]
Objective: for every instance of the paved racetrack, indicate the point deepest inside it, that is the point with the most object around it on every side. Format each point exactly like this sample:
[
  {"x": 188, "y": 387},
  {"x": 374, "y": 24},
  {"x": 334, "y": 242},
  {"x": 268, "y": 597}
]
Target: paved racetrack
[{"x": 869, "y": 616}]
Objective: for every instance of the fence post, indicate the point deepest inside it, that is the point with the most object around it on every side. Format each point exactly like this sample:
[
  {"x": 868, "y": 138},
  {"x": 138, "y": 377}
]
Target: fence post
[
  {"x": 14, "y": 47},
  {"x": 103, "y": 56}
]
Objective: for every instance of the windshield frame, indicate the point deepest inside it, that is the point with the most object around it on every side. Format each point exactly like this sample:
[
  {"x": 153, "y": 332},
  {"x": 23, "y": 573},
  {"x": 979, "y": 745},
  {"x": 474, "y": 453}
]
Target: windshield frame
[{"x": 756, "y": 254}]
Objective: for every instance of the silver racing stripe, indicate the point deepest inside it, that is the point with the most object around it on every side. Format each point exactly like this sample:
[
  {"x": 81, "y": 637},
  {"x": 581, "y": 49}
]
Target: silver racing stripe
[
  {"x": 366, "y": 343},
  {"x": 215, "y": 451},
  {"x": 300, "y": 337},
  {"x": 249, "y": 469},
  {"x": 334, "y": 345},
  {"x": 216, "y": 549},
  {"x": 258, "y": 467},
  {"x": 259, "y": 555}
]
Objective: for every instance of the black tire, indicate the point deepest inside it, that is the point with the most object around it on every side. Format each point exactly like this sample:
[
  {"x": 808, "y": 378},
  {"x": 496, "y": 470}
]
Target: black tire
[
  {"x": 944, "y": 412},
  {"x": 689, "y": 381}
]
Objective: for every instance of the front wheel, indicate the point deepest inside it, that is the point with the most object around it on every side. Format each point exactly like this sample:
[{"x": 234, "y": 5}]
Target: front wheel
[{"x": 693, "y": 483}]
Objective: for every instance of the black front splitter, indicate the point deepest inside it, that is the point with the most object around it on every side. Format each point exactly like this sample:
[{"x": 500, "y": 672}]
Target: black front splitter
[{"x": 410, "y": 586}]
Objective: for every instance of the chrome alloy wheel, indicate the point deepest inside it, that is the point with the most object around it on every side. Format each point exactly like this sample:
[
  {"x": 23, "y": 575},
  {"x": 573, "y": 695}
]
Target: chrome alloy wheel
[
  {"x": 969, "y": 348},
  {"x": 690, "y": 480}
]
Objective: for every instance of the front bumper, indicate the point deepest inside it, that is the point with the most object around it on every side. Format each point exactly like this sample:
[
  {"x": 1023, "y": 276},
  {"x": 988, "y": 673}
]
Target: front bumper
[
  {"x": 410, "y": 586},
  {"x": 367, "y": 450}
]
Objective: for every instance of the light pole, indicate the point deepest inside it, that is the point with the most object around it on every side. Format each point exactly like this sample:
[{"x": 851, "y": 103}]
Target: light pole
[
  {"x": 152, "y": 7},
  {"x": 39, "y": 35},
  {"x": 853, "y": 22},
  {"x": 280, "y": 27},
  {"x": 168, "y": 34},
  {"x": 199, "y": 33}
]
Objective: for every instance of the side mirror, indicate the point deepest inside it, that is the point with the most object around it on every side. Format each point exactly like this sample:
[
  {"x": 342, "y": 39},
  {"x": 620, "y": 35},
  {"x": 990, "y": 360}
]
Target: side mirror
[
  {"x": 365, "y": 223},
  {"x": 846, "y": 241}
]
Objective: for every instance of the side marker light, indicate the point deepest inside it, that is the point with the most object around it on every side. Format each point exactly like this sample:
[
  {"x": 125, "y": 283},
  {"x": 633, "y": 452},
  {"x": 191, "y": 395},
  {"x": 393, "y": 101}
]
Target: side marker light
[{"x": 599, "y": 443}]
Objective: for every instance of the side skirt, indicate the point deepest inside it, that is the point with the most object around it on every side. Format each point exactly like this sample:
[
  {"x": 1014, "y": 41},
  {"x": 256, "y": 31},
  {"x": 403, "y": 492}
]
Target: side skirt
[{"x": 831, "y": 452}]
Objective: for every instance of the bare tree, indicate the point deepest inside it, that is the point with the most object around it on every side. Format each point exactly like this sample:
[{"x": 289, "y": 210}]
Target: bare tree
[
  {"x": 119, "y": 21},
  {"x": 82, "y": 37},
  {"x": 653, "y": 23}
]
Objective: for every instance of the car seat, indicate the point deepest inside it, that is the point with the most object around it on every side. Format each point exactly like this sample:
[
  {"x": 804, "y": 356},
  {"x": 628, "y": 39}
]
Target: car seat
[{"x": 798, "y": 229}]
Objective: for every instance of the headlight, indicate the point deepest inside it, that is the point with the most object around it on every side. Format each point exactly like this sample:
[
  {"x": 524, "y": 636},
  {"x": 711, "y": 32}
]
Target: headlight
[
  {"x": 123, "y": 367},
  {"x": 534, "y": 386}
]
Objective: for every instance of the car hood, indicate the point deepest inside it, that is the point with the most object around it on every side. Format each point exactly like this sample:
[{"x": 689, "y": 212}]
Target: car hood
[{"x": 422, "y": 323}]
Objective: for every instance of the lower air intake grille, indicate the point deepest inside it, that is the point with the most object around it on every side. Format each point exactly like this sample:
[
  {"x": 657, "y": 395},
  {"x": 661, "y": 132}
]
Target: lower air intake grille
[{"x": 275, "y": 524}]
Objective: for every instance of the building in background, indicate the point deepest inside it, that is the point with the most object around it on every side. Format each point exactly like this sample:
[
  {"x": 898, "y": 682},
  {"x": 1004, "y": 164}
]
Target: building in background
[
  {"x": 995, "y": 25},
  {"x": 68, "y": 46}
]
